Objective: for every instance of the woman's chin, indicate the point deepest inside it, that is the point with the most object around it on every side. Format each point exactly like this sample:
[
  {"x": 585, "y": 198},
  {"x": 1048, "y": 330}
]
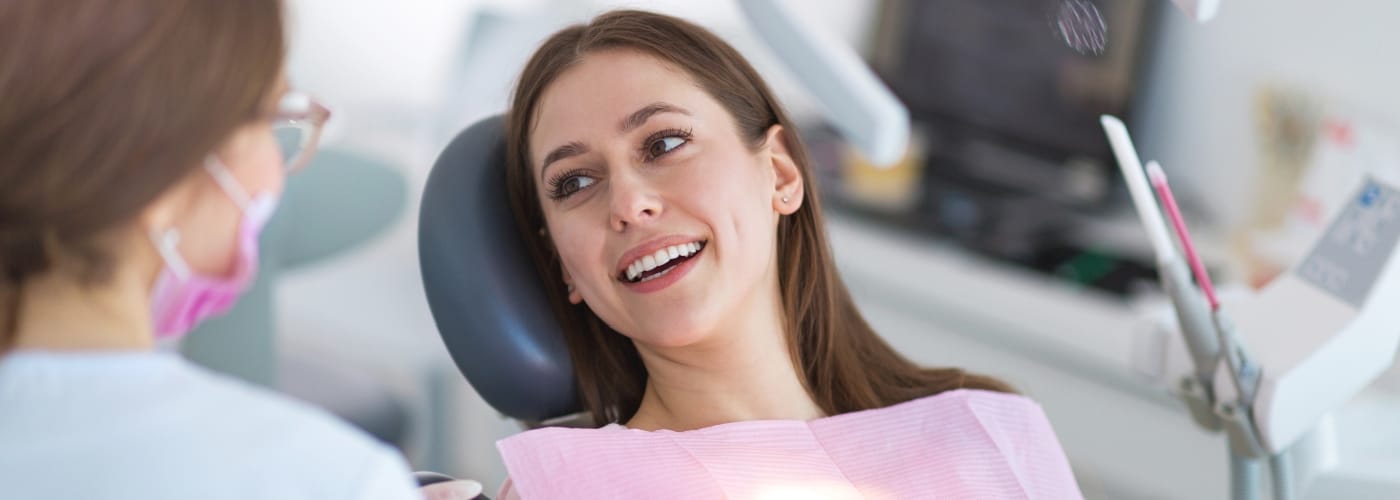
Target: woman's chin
[{"x": 671, "y": 333}]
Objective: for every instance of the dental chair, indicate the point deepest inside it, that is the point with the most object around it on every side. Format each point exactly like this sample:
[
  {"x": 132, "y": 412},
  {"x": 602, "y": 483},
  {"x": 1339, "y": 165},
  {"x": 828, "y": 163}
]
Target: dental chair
[{"x": 484, "y": 293}]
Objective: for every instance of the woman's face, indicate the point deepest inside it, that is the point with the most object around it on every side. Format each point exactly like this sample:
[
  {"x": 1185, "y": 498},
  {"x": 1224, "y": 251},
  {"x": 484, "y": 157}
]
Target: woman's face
[{"x": 664, "y": 218}]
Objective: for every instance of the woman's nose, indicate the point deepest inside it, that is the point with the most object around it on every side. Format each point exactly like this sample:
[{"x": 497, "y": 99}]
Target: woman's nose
[{"x": 633, "y": 202}]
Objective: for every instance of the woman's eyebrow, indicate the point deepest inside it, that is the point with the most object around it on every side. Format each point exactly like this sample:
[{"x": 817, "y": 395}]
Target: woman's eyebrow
[
  {"x": 634, "y": 120},
  {"x": 566, "y": 151},
  {"x": 640, "y": 116}
]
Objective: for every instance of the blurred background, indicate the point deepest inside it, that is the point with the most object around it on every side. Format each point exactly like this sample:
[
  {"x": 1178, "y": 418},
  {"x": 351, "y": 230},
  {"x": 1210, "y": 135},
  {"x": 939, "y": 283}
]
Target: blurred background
[{"x": 1003, "y": 242}]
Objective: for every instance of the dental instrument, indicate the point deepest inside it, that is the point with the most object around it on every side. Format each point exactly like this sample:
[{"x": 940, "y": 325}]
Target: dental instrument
[
  {"x": 1329, "y": 329},
  {"x": 1158, "y": 178},
  {"x": 1192, "y": 311},
  {"x": 1244, "y": 442}
]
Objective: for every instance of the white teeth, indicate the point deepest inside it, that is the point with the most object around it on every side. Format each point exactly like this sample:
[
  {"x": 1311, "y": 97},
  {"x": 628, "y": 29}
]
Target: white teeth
[{"x": 660, "y": 258}]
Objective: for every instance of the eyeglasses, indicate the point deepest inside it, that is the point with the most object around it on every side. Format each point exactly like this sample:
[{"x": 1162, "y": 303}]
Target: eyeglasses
[{"x": 297, "y": 128}]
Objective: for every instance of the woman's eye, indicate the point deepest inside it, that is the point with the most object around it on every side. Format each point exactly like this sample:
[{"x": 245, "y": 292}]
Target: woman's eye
[
  {"x": 664, "y": 145},
  {"x": 573, "y": 184}
]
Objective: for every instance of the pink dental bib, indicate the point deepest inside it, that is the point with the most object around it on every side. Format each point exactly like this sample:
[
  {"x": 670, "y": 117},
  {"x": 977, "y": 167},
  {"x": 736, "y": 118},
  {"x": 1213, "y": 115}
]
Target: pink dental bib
[{"x": 958, "y": 444}]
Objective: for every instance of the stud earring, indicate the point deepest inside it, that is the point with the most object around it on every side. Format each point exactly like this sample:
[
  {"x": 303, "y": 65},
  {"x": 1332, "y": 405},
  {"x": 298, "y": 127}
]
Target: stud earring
[{"x": 785, "y": 199}]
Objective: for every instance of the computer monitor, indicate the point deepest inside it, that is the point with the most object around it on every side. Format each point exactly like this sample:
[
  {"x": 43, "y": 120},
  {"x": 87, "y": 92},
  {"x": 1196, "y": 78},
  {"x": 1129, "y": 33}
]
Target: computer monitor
[{"x": 1002, "y": 99}]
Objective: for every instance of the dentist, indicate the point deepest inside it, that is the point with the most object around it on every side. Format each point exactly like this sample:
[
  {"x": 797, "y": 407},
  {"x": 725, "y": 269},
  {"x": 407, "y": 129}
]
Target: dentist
[{"x": 143, "y": 146}]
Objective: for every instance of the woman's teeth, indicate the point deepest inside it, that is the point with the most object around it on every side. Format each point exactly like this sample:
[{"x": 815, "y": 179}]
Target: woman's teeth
[{"x": 660, "y": 258}]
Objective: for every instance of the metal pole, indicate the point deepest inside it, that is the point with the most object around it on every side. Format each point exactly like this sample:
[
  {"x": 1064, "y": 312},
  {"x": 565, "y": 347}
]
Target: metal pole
[
  {"x": 1244, "y": 476},
  {"x": 1281, "y": 470}
]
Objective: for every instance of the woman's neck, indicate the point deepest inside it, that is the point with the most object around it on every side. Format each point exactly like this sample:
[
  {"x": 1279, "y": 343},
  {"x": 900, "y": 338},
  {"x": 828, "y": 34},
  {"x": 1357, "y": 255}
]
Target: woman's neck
[
  {"x": 57, "y": 313},
  {"x": 744, "y": 373}
]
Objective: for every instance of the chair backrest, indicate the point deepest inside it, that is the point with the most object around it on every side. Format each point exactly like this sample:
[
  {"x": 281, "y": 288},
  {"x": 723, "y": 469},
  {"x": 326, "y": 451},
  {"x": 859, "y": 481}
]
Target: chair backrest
[{"x": 483, "y": 291}]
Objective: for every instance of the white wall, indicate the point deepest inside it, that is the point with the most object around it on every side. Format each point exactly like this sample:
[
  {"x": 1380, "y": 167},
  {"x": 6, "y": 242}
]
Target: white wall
[{"x": 1196, "y": 115}]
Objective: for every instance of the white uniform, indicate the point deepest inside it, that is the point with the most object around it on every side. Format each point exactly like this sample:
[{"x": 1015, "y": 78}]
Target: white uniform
[{"x": 143, "y": 425}]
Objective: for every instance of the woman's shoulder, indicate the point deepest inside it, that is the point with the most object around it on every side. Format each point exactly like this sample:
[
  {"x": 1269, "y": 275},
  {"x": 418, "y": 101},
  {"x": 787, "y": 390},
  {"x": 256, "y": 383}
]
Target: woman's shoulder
[
  {"x": 568, "y": 437},
  {"x": 989, "y": 410},
  {"x": 980, "y": 396},
  {"x": 1005, "y": 419},
  {"x": 977, "y": 403}
]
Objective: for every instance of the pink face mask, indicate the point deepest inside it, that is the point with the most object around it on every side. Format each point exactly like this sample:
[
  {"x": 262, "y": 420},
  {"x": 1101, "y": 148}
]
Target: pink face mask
[{"x": 182, "y": 298}]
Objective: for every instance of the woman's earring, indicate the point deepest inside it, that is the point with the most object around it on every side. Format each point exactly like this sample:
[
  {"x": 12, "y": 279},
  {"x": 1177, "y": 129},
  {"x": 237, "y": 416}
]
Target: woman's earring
[
  {"x": 570, "y": 286},
  {"x": 785, "y": 199}
]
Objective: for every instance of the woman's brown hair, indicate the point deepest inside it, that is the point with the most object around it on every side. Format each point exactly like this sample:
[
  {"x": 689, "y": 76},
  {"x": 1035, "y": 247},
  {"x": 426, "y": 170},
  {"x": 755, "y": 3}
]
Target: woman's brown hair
[
  {"x": 845, "y": 364},
  {"x": 104, "y": 106}
]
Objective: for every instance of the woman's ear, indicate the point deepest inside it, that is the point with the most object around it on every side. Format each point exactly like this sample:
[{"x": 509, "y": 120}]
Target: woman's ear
[
  {"x": 574, "y": 297},
  {"x": 788, "y": 188}
]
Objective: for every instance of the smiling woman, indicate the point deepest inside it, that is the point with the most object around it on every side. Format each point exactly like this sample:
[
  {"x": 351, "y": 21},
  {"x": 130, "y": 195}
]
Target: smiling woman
[
  {"x": 641, "y": 132},
  {"x": 668, "y": 203}
]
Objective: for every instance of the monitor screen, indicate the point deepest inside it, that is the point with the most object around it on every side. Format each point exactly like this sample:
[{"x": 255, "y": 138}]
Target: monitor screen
[{"x": 998, "y": 71}]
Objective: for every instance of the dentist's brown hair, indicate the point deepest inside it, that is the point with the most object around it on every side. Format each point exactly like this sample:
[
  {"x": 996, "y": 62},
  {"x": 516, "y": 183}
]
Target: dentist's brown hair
[
  {"x": 103, "y": 107},
  {"x": 846, "y": 366}
]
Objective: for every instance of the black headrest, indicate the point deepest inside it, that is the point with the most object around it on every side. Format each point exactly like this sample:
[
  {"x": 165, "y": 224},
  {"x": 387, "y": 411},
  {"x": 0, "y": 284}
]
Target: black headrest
[{"x": 483, "y": 291}]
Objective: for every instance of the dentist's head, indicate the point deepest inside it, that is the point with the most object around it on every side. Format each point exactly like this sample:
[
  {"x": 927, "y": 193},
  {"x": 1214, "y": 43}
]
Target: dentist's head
[{"x": 144, "y": 146}]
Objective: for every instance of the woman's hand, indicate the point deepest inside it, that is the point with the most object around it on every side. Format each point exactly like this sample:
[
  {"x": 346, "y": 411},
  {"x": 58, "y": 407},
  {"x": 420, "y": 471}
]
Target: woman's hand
[{"x": 460, "y": 489}]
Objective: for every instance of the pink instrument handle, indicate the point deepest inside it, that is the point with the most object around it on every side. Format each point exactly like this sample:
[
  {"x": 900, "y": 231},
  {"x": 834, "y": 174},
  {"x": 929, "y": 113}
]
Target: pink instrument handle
[{"x": 1164, "y": 191}]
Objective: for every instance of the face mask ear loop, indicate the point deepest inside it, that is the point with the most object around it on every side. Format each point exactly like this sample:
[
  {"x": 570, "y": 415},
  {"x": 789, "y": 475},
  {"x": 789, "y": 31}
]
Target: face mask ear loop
[
  {"x": 225, "y": 180},
  {"x": 167, "y": 244},
  {"x": 167, "y": 241}
]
